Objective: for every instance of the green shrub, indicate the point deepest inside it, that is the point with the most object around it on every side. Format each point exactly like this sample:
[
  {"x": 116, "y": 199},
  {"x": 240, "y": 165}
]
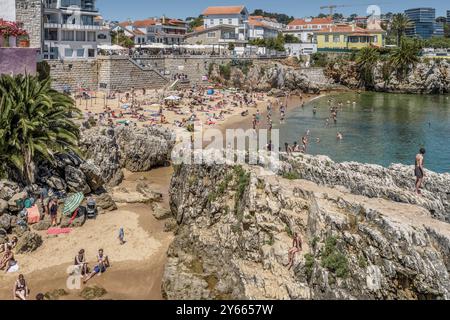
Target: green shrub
[
  {"x": 309, "y": 265},
  {"x": 333, "y": 260},
  {"x": 292, "y": 175}
]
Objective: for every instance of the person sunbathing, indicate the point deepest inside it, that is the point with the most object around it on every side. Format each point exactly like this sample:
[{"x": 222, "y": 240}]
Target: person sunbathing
[
  {"x": 21, "y": 290},
  {"x": 7, "y": 260},
  {"x": 98, "y": 269},
  {"x": 80, "y": 260}
]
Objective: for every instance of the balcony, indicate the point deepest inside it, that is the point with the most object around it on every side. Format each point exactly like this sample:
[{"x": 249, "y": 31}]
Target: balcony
[{"x": 72, "y": 26}]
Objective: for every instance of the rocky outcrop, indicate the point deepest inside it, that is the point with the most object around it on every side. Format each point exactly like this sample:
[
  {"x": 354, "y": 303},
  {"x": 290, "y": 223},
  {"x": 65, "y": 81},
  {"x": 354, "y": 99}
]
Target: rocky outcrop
[
  {"x": 235, "y": 230},
  {"x": 395, "y": 183},
  {"x": 427, "y": 77},
  {"x": 28, "y": 242},
  {"x": 264, "y": 77},
  {"x": 136, "y": 149},
  {"x": 70, "y": 173}
]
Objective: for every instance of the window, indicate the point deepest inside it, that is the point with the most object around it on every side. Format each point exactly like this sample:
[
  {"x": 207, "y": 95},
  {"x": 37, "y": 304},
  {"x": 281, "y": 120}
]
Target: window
[
  {"x": 90, "y": 36},
  {"x": 220, "y": 21},
  {"x": 211, "y": 34},
  {"x": 230, "y": 21},
  {"x": 80, "y": 36},
  {"x": 102, "y": 36},
  {"x": 375, "y": 39},
  {"x": 67, "y": 36},
  {"x": 68, "y": 53},
  {"x": 327, "y": 38},
  {"x": 336, "y": 38},
  {"x": 211, "y": 21},
  {"x": 80, "y": 53},
  {"x": 91, "y": 53}
]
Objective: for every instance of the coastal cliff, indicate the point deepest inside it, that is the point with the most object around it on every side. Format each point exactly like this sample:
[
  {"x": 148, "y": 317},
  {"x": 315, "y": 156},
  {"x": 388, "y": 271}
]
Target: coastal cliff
[
  {"x": 270, "y": 76},
  {"x": 235, "y": 228},
  {"x": 427, "y": 77}
]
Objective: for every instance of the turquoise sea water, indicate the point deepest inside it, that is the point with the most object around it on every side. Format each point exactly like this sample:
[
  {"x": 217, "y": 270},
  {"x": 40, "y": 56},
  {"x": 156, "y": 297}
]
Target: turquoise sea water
[{"x": 379, "y": 128}]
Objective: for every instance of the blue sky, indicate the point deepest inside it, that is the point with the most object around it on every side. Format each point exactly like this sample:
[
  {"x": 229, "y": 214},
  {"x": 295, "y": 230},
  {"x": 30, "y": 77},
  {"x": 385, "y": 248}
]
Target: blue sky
[{"x": 139, "y": 9}]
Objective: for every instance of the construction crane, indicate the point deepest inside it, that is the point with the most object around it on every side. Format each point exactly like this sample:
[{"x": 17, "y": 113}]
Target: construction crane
[{"x": 332, "y": 7}]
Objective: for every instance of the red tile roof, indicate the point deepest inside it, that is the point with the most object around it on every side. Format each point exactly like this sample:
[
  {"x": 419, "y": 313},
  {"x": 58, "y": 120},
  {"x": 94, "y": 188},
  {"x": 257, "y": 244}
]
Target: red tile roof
[
  {"x": 300, "y": 22},
  {"x": 223, "y": 10}
]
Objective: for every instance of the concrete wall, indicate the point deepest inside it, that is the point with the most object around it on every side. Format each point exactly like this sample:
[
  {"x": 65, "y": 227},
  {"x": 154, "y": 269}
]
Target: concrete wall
[
  {"x": 18, "y": 60},
  {"x": 29, "y": 12},
  {"x": 193, "y": 67}
]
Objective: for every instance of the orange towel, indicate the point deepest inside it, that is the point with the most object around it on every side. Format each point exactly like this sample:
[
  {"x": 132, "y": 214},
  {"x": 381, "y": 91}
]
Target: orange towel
[{"x": 33, "y": 215}]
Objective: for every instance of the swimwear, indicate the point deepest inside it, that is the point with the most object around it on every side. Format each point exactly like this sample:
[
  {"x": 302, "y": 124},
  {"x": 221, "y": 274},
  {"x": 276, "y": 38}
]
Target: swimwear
[{"x": 418, "y": 172}]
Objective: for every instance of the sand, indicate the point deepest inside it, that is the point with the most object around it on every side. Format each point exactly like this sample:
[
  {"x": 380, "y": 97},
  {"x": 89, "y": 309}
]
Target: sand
[{"x": 137, "y": 266}]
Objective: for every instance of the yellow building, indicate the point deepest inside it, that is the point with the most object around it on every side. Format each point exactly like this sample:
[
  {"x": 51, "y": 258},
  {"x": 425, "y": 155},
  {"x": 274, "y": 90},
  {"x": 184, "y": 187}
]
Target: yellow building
[{"x": 348, "y": 37}]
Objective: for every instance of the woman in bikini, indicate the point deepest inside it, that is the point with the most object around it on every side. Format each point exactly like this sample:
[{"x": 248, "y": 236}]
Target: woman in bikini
[
  {"x": 20, "y": 289},
  {"x": 7, "y": 260}
]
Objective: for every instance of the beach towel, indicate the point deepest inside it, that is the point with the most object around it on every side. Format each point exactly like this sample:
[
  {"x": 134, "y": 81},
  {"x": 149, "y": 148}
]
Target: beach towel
[
  {"x": 33, "y": 215},
  {"x": 56, "y": 231},
  {"x": 13, "y": 268}
]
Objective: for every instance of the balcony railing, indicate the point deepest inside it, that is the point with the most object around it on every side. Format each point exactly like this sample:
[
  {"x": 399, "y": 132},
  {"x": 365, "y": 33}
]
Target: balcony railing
[{"x": 72, "y": 26}]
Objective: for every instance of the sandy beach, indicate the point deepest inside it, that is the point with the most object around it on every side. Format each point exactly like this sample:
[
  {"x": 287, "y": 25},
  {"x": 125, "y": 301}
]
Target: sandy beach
[
  {"x": 137, "y": 266},
  {"x": 138, "y": 263}
]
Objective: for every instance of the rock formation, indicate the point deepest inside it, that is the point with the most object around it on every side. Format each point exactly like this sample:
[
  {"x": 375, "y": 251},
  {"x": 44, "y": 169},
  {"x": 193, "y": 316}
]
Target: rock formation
[
  {"x": 136, "y": 149},
  {"x": 395, "y": 183},
  {"x": 264, "y": 77},
  {"x": 236, "y": 225},
  {"x": 427, "y": 77}
]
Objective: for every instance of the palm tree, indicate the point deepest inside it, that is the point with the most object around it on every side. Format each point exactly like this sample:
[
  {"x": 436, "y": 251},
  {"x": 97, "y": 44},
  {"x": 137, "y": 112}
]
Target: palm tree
[
  {"x": 403, "y": 58},
  {"x": 366, "y": 61},
  {"x": 400, "y": 23},
  {"x": 34, "y": 124}
]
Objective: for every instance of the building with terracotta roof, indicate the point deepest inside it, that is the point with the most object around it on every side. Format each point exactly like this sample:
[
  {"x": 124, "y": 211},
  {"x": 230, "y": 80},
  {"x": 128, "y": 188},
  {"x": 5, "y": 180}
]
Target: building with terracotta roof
[
  {"x": 155, "y": 30},
  {"x": 304, "y": 29},
  {"x": 263, "y": 28},
  {"x": 220, "y": 35},
  {"x": 236, "y": 16},
  {"x": 348, "y": 37}
]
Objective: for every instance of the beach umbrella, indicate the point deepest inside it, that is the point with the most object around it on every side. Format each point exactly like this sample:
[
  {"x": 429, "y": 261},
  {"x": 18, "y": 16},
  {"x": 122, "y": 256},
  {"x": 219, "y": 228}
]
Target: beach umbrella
[
  {"x": 125, "y": 106},
  {"x": 172, "y": 98},
  {"x": 72, "y": 203}
]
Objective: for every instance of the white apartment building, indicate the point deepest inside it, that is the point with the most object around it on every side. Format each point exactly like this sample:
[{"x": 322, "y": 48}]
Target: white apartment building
[
  {"x": 155, "y": 30},
  {"x": 304, "y": 29},
  {"x": 260, "y": 27},
  {"x": 73, "y": 29},
  {"x": 236, "y": 16}
]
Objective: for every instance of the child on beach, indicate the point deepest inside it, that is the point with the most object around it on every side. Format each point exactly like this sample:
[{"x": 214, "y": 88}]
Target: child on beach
[{"x": 121, "y": 236}]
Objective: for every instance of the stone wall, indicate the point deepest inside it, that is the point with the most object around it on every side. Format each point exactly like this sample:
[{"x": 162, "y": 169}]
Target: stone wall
[
  {"x": 29, "y": 13},
  {"x": 193, "y": 67},
  {"x": 119, "y": 73},
  {"x": 74, "y": 74}
]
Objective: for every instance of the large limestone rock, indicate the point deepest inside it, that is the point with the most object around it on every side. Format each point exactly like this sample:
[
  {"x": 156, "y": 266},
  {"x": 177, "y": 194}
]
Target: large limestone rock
[
  {"x": 5, "y": 222},
  {"x": 136, "y": 149},
  {"x": 236, "y": 225},
  {"x": 395, "y": 183},
  {"x": 3, "y": 206},
  {"x": 8, "y": 189},
  {"x": 76, "y": 180},
  {"x": 28, "y": 242},
  {"x": 427, "y": 77}
]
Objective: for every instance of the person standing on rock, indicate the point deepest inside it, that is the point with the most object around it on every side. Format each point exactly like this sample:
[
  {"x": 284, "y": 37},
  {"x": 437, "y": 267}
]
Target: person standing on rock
[{"x": 419, "y": 170}]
